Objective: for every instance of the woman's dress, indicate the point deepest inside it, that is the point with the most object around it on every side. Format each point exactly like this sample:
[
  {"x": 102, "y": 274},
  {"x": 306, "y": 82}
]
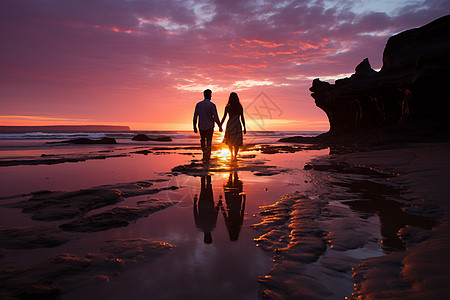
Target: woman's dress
[{"x": 233, "y": 133}]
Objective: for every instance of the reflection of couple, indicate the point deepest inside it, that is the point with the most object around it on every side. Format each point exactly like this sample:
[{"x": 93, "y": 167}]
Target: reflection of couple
[
  {"x": 206, "y": 113},
  {"x": 205, "y": 212}
]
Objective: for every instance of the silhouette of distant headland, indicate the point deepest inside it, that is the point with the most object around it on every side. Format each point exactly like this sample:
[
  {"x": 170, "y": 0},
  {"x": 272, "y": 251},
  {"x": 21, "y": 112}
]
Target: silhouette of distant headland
[
  {"x": 63, "y": 128},
  {"x": 406, "y": 101}
]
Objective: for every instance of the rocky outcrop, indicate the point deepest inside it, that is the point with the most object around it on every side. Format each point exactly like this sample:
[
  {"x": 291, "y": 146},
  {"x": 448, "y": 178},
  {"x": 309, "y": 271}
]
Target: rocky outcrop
[
  {"x": 407, "y": 100},
  {"x": 67, "y": 205},
  {"x": 145, "y": 138},
  {"x": 358, "y": 102},
  {"x": 86, "y": 141}
]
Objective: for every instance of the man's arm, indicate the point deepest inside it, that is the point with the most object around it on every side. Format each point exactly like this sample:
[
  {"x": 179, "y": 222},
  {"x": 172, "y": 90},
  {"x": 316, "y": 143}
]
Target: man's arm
[
  {"x": 216, "y": 118},
  {"x": 195, "y": 118},
  {"x": 196, "y": 209}
]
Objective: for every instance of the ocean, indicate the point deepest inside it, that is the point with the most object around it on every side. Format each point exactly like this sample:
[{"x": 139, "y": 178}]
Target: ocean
[{"x": 40, "y": 139}]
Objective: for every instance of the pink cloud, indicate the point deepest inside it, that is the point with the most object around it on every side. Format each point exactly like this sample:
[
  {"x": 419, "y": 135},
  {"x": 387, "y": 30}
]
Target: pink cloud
[{"x": 125, "y": 61}]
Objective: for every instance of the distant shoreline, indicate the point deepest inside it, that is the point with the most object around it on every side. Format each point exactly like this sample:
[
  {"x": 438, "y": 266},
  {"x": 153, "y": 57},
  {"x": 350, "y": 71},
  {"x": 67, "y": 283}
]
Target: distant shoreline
[{"x": 63, "y": 128}]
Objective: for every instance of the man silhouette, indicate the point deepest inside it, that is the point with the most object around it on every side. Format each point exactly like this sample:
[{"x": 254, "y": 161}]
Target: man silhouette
[
  {"x": 205, "y": 212},
  {"x": 206, "y": 113}
]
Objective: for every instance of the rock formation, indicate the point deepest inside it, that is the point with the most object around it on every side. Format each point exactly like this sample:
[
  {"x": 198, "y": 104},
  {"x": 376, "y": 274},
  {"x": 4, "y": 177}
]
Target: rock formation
[
  {"x": 407, "y": 100},
  {"x": 145, "y": 138},
  {"x": 86, "y": 141}
]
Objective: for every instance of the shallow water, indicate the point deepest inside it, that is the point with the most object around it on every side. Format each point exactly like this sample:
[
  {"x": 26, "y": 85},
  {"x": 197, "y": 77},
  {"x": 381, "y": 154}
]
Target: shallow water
[
  {"x": 334, "y": 234},
  {"x": 222, "y": 269},
  {"x": 194, "y": 268}
]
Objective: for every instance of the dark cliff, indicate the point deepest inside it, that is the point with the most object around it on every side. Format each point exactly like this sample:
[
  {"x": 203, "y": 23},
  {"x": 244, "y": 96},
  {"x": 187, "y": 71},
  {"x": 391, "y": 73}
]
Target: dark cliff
[{"x": 407, "y": 100}]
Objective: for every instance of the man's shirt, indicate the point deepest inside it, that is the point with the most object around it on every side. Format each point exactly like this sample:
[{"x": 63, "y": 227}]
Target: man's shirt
[{"x": 207, "y": 114}]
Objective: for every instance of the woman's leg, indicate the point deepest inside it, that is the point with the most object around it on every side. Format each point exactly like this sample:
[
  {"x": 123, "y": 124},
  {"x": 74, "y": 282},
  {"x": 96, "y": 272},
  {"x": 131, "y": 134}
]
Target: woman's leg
[
  {"x": 231, "y": 151},
  {"x": 236, "y": 150}
]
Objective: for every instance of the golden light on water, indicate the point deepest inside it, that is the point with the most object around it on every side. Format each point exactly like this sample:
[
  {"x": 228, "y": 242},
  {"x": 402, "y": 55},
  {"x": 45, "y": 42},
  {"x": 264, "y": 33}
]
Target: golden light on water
[
  {"x": 218, "y": 137},
  {"x": 222, "y": 154}
]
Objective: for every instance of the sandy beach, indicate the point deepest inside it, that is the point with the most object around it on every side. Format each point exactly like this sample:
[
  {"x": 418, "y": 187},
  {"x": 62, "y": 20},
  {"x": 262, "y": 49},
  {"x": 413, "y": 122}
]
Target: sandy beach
[{"x": 286, "y": 221}]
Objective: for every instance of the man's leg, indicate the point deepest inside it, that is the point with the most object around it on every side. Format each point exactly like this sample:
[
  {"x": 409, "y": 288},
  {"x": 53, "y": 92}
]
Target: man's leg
[
  {"x": 203, "y": 142},
  {"x": 209, "y": 135}
]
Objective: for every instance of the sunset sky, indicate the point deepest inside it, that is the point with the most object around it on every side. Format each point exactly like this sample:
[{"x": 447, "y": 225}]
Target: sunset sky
[{"x": 145, "y": 63}]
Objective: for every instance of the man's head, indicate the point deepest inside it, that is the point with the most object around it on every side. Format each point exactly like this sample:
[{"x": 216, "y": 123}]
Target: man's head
[{"x": 207, "y": 93}]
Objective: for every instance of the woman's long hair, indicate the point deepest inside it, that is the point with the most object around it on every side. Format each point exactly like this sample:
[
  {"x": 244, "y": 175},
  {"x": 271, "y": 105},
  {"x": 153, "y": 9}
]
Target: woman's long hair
[{"x": 234, "y": 106}]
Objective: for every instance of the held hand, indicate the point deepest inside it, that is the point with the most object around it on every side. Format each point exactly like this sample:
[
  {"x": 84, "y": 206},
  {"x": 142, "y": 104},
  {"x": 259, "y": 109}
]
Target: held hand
[
  {"x": 220, "y": 128},
  {"x": 195, "y": 129}
]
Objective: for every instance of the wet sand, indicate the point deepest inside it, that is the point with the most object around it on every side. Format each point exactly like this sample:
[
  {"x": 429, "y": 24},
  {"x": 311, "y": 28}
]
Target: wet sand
[
  {"x": 422, "y": 270},
  {"x": 283, "y": 222}
]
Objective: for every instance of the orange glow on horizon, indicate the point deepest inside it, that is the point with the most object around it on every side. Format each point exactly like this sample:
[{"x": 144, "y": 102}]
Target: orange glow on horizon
[{"x": 252, "y": 125}]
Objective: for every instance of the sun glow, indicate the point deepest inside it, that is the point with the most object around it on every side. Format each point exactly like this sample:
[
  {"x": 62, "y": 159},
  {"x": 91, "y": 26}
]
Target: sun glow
[
  {"x": 222, "y": 154},
  {"x": 218, "y": 137}
]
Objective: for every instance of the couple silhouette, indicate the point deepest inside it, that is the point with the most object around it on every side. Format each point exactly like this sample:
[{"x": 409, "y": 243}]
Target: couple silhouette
[
  {"x": 206, "y": 212},
  {"x": 206, "y": 115}
]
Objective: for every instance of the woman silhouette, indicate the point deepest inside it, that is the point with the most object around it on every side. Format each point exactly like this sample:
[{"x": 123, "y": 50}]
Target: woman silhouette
[
  {"x": 233, "y": 133},
  {"x": 235, "y": 201}
]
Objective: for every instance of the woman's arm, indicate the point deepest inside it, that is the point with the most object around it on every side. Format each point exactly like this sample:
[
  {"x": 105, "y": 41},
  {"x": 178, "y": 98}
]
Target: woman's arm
[
  {"x": 243, "y": 121},
  {"x": 224, "y": 116}
]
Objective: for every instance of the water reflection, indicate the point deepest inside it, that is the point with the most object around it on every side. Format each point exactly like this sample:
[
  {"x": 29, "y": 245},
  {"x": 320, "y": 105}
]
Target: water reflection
[
  {"x": 205, "y": 212},
  {"x": 233, "y": 214},
  {"x": 380, "y": 199}
]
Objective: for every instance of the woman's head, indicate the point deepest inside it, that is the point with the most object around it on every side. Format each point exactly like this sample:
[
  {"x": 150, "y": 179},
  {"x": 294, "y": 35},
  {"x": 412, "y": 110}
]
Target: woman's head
[{"x": 234, "y": 105}]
